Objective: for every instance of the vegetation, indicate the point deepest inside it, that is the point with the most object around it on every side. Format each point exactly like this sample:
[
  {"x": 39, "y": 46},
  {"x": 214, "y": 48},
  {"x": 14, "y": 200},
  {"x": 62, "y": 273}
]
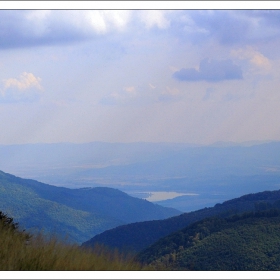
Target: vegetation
[
  {"x": 78, "y": 214},
  {"x": 249, "y": 241},
  {"x": 21, "y": 251},
  {"x": 239, "y": 234},
  {"x": 138, "y": 236}
]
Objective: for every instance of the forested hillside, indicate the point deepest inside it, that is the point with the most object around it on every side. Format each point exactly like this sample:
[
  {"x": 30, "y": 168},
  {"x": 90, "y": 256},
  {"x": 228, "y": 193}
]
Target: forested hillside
[
  {"x": 78, "y": 214},
  {"x": 138, "y": 236},
  {"x": 249, "y": 241}
]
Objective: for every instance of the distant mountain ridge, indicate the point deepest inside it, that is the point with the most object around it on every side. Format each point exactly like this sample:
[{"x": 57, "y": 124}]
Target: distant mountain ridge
[
  {"x": 76, "y": 213},
  {"x": 138, "y": 236},
  {"x": 72, "y": 163},
  {"x": 221, "y": 171}
]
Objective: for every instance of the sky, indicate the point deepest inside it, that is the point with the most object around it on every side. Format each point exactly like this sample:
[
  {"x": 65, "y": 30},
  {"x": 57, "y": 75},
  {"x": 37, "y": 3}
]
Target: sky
[{"x": 155, "y": 75}]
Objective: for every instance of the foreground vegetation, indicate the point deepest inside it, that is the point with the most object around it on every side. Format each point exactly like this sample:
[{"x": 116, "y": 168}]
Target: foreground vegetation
[
  {"x": 21, "y": 251},
  {"x": 248, "y": 241}
]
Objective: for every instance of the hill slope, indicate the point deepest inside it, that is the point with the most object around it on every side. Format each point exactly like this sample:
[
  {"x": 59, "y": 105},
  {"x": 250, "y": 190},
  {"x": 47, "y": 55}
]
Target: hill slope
[
  {"x": 138, "y": 236},
  {"x": 20, "y": 251},
  {"x": 242, "y": 242},
  {"x": 77, "y": 213}
]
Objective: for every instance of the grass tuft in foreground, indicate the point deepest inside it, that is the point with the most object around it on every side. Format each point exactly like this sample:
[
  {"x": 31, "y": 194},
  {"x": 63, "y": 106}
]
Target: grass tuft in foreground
[{"x": 21, "y": 251}]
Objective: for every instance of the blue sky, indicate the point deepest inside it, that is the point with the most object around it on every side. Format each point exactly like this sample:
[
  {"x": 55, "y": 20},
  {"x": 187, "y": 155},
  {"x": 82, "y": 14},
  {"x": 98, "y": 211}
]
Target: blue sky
[{"x": 193, "y": 76}]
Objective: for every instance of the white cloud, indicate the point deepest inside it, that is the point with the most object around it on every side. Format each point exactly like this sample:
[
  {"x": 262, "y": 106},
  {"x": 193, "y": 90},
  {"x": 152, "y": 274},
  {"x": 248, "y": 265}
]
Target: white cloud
[
  {"x": 26, "y": 80},
  {"x": 153, "y": 18},
  {"x": 89, "y": 20},
  {"x": 42, "y": 27},
  {"x": 25, "y": 89},
  {"x": 255, "y": 58},
  {"x": 104, "y": 21}
]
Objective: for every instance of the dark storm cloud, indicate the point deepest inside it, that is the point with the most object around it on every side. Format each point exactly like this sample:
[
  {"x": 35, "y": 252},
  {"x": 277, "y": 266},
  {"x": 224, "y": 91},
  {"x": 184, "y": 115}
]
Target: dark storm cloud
[{"x": 210, "y": 71}]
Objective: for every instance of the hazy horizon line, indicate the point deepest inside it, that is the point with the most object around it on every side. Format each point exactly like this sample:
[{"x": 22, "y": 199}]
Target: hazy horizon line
[{"x": 213, "y": 144}]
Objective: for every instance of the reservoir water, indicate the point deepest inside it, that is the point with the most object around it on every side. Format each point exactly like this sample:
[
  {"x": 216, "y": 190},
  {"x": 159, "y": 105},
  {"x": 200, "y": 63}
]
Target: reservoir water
[{"x": 158, "y": 196}]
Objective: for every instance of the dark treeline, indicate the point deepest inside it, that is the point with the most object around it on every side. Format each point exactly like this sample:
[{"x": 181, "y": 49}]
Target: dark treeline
[{"x": 248, "y": 241}]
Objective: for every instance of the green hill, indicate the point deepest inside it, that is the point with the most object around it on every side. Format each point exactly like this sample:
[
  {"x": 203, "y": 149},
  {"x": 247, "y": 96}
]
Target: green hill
[
  {"x": 76, "y": 213},
  {"x": 138, "y": 236},
  {"x": 243, "y": 242}
]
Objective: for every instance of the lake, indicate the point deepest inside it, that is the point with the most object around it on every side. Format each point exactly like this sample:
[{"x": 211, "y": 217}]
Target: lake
[{"x": 158, "y": 196}]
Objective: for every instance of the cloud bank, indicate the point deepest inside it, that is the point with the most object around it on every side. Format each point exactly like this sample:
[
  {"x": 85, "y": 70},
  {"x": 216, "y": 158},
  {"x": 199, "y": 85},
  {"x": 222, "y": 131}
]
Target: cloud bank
[{"x": 23, "y": 28}]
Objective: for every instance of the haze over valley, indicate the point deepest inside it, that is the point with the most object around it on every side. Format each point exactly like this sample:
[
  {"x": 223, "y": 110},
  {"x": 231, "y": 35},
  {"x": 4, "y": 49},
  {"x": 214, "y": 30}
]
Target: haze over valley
[{"x": 180, "y": 176}]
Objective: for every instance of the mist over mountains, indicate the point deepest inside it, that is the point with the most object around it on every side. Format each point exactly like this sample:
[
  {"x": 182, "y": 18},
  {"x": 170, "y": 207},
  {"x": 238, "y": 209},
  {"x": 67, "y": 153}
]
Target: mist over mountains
[{"x": 211, "y": 174}]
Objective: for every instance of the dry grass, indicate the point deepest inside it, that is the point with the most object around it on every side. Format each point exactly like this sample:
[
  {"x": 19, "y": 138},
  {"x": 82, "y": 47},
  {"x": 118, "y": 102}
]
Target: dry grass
[{"x": 39, "y": 254}]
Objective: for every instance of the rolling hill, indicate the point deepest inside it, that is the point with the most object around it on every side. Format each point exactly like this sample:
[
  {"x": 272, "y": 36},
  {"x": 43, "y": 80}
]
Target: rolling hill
[
  {"x": 249, "y": 241},
  {"x": 138, "y": 236},
  {"x": 78, "y": 214}
]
